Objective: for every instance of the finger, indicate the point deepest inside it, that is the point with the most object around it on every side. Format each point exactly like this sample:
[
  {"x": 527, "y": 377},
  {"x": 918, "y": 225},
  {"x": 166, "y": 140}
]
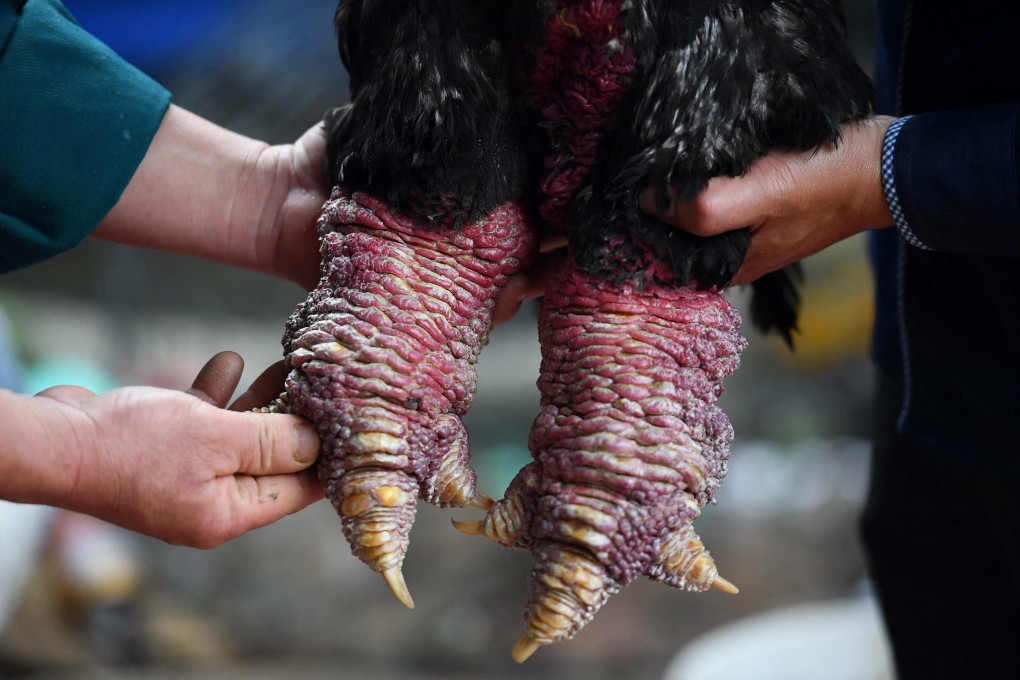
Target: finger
[
  {"x": 652, "y": 203},
  {"x": 266, "y": 387},
  {"x": 510, "y": 299},
  {"x": 70, "y": 394},
  {"x": 310, "y": 150},
  {"x": 530, "y": 284},
  {"x": 218, "y": 379},
  {"x": 259, "y": 501},
  {"x": 545, "y": 268},
  {"x": 268, "y": 443},
  {"x": 543, "y": 271},
  {"x": 745, "y": 274},
  {"x": 553, "y": 241},
  {"x": 770, "y": 250},
  {"x": 725, "y": 204}
]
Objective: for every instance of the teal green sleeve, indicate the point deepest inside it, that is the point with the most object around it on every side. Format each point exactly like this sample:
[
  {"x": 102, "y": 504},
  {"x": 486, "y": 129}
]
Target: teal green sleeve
[
  {"x": 9, "y": 11},
  {"x": 75, "y": 123}
]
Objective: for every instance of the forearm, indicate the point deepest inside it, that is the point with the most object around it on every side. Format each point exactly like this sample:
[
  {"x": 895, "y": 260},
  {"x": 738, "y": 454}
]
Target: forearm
[{"x": 201, "y": 190}]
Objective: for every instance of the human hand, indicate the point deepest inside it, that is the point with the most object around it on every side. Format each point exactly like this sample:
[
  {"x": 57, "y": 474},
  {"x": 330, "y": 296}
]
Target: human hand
[
  {"x": 178, "y": 466},
  {"x": 795, "y": 203},
  {"x": 288, "y": 240},
  {"x": 531, "y": 283}
]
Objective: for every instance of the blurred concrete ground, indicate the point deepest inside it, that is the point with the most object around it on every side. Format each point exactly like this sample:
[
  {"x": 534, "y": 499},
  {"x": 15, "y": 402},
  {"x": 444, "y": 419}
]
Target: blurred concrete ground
[{"x": 289, "y": 599}]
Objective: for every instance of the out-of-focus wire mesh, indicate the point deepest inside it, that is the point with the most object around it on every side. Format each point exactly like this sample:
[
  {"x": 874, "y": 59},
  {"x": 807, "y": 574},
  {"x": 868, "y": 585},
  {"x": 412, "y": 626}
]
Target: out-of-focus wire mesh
[{"x": 289, "y": 599}]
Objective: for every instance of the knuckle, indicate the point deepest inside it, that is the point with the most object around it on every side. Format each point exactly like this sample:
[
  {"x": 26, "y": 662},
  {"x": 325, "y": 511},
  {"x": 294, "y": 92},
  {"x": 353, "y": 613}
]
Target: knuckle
[
  {"x": 702, "y": 217},
  {"x": 212, "y": 536},
  {"x": 780, "y": 185},
  {"x": 266, "y": 444},
  {"x": 211, "y": 528}
]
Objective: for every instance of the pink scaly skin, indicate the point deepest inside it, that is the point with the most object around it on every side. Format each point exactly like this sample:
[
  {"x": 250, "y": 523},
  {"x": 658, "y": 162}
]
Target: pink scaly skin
[
  {"x": 629, "y": 445},
  {"x": 381, "y": 359},
  {"x": 576, "y": 80}
]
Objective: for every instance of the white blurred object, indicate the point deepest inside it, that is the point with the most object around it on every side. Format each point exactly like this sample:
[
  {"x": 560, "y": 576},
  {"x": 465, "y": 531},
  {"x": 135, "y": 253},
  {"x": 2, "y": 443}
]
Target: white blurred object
[
  {"x": 764, "y": 478},
  {"x": 23, "y": 533},
  {"x": 95, "y": 562},
  {"x": 98, "y": 576},
  {"x": 839, "y": 640}
]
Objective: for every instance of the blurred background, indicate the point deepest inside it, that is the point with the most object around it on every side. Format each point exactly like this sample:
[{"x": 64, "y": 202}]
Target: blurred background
[{"x": 79, "y": 599}]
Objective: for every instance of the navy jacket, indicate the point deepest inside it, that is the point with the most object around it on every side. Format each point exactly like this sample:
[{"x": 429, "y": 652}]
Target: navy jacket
[{"x": 948, "y": 318}]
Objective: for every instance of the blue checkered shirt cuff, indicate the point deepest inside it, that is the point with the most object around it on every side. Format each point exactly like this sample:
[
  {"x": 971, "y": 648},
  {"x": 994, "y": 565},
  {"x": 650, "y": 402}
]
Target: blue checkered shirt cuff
[{"x": 889, "y": 184}]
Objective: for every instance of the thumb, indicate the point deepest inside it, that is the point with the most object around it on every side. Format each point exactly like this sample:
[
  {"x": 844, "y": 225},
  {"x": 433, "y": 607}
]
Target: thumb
[
  {"x": 268, "y": 476},
  {"x": 725, "y": 204},
  {"x": 69, "y": 394},
  {"x": 271, "y": 443}
]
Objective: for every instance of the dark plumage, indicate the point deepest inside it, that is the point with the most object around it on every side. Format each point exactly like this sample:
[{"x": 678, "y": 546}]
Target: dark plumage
[
  {"x": 421, "y": 233},
  {"x": 472, "y": 122},
  {"x": 716, "y": 85},
  {"x": 432, "y": 127},
  {"x": 636, "y": 335}
]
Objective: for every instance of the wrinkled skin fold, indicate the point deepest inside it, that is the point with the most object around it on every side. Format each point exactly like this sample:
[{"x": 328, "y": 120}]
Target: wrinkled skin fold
[
  {"x": 381, "y": 358},
  {"x": 636, "y": 335},
  {"x": 629, "y": 445},
  {"x": 467, "y": 116}
]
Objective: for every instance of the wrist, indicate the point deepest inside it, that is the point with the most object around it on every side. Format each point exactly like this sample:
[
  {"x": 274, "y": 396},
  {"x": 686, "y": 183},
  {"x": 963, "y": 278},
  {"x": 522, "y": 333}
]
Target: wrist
[
  {"x": 869, "y": 203},
  {"x": 286, "y": 189},
  {"x": 46, "y": 443},
  {"x": 259, "y": 198}
]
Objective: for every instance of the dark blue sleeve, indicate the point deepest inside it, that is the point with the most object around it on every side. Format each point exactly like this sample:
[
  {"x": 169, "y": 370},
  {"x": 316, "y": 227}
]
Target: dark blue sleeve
[{"x": 957, "y": 180}]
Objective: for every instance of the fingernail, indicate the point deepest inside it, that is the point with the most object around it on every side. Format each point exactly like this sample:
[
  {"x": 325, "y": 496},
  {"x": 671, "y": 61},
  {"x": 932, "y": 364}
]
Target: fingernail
[
  {"x": 649, "y": 202},
  {"x": 306, "y": 448},
  {"x": 646, "y": 200}
]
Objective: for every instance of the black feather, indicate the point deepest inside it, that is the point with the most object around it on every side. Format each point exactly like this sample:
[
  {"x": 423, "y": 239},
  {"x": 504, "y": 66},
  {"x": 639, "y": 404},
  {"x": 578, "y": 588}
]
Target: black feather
[
  {"x": 726, "y": 83},
  {"x": 433, "y": 127},
  {"x": 775, "y": 302}
]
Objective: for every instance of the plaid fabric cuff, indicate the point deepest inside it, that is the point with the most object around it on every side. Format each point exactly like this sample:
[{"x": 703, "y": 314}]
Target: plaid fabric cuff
[{"x": 889, "y": 184}]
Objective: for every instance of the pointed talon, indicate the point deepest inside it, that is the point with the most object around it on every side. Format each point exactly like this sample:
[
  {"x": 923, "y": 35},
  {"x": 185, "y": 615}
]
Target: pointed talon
[
  {"x": 395, "y": 580},
  {"x": 524, "y": 648},
  {"x": 482, "y": 502},
  {"x": 471, "y": 527},
  {"x": 722, "y": 584}
]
